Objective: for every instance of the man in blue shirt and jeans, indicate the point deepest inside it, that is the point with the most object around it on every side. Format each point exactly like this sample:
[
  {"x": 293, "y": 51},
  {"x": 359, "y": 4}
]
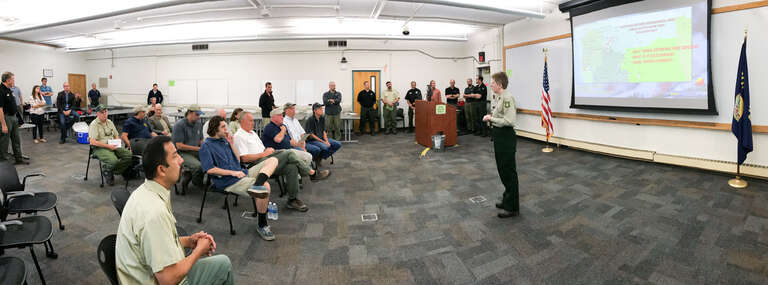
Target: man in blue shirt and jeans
[
  {"x": 220, "y": 159},
  {"x": 136, "y": 132}
]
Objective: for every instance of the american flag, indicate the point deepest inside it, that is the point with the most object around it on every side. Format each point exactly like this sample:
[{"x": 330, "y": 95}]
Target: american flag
[{"x": 546, "y": 111}]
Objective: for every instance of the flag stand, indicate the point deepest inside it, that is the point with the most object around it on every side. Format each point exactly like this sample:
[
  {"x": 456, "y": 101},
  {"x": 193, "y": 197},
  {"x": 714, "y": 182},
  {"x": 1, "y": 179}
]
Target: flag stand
[
  {"x": 737, "y": 182},
  {"x": 547, "y": 149}
]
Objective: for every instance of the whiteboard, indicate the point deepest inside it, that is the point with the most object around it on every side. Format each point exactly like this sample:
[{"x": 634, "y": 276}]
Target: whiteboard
[
  {"x": 305, "y": 92},
  {"x": 243, "y": 93},
  {"x": 184, "y": 92},
  {"x": 212, "y": 92}
]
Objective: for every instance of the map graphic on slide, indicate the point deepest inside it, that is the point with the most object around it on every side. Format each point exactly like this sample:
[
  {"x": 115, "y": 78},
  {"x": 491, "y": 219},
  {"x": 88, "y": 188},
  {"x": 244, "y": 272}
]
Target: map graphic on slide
[{"x": 648, "y": 47}]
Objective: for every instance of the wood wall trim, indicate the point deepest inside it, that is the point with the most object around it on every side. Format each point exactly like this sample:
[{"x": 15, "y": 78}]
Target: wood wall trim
[
  {"x": 739, "y": 7},
  {"x": 645, "y": 121},
  {"x": 542, "y": 40}
]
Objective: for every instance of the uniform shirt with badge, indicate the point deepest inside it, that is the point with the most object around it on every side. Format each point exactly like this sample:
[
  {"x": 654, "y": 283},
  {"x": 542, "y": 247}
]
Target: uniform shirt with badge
[
  {"x": 413, "y": 95},
  {"x": 137, "y": 128},
  {"x": 102, "y": 132},
  {"x": 505, "y": 112},
  {"x": 7, "y": 101},
  {"x": 366, "y": 98},
  {"x": 469, "y": 90}
]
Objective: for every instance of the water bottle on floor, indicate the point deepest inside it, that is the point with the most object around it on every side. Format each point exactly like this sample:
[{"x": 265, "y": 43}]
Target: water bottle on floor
[
  {"x": 270, "y": 211},
  {"x": 275, "y": 209}
]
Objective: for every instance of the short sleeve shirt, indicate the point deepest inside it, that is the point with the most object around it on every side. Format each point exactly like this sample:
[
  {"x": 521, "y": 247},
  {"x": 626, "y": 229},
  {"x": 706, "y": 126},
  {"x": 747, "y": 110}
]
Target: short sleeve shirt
[
  {"x": 186, "y": 133},
  {"x": 268, "y": 137},
  {"x": 218, "y": 153},
  {"x": 17, "y": 94},
  {"x": 248, "y": 142},
  {"x": 294, "y": 127},
  {"x": 147, "y": 241},
  {"x": 413, "y": 95},
  {"x": 316, "y": 126},
  {"x": 137, "y": 128},
  {"x": 45, "y": 88},
  {"x": 102, "y": 132},
  {"x": 7, "y": 103},
  {"x": 452, "y": 91}
]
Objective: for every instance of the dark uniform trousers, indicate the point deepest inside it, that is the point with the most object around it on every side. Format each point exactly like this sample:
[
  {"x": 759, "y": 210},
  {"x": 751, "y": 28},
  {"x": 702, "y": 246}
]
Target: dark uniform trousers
[
  {"x": 505, "y": 147},
  {"x": 482, "y": 110},
  {"x": 11, "y": 137},
  {"x": 411, "y": 111},
  {"x": 368, "y": 115}
]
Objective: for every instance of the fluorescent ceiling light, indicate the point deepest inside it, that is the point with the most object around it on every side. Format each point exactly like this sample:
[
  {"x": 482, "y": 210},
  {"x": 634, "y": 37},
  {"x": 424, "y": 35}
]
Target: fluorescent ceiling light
[
  {"x": 351, "y": 26},
  {"x": 512, "y": 5},
  {"x": 31, "y": 13},
  {"x": 164, "y": 34}
]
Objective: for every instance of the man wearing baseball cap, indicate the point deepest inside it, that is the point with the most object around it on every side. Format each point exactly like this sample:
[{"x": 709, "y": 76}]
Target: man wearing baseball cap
[
  {"x": 136, "y": 131},
  {"x": 114, "y": 158},
  {"x": 318, "y": 137},
  {"x": 187, "y": 135}
]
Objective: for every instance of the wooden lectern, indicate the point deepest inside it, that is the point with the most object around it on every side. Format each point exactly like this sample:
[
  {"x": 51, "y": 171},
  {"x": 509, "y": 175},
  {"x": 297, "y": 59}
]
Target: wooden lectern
[{"x": 433, "y": 118}]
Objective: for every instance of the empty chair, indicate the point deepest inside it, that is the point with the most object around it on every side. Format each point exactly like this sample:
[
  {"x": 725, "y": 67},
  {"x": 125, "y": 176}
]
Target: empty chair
[
  {"x": 27, "y": 232},
  {"x": 106, "y": 255},
  {"x": 13, "y": 271},
  {"x": 18, "y": 201}
]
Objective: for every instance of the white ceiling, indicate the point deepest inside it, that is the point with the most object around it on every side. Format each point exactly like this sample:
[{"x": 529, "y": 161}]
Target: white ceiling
[{"x": 95, "y": 24}]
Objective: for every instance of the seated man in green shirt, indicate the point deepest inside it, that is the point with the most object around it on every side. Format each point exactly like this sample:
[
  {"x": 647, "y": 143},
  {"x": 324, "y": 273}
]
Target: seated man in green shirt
[
  {"x": 115, "y": 159},
  {"x": 148, "y": 249}
]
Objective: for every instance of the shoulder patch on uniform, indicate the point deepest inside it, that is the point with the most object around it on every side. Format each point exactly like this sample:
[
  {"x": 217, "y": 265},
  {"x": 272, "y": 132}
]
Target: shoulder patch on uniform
[{"x": 507, "y": 104}]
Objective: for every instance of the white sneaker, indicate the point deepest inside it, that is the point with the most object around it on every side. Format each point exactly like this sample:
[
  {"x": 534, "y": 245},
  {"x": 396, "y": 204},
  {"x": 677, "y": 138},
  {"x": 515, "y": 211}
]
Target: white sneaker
[{"x": 266, "y": 233}]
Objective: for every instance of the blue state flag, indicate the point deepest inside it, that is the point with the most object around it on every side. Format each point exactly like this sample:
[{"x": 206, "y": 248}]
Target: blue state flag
[{"x": 741, "y": 126}]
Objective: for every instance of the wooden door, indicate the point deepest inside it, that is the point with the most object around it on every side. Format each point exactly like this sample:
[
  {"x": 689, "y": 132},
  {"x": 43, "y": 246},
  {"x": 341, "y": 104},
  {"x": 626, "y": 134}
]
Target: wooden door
[
  {"x": 77, "y": 86},
  {"x": 359, "y": 77}
]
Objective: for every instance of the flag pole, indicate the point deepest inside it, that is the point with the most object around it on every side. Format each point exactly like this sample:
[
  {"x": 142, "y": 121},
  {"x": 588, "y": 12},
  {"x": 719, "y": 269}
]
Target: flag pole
[
  {"x": 737, "y": 182},
  {"x": 547, "y": 148}
]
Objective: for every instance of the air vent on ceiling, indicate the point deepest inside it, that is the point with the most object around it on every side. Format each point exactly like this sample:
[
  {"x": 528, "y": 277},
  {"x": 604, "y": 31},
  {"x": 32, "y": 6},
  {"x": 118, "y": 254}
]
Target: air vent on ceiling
[
  {"x": 199, "y": 47},
  {"x": 337, "y": 43}
]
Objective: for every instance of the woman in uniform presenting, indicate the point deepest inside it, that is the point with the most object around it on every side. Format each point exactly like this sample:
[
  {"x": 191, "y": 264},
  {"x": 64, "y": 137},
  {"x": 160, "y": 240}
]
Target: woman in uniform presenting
[{"x": 505, "y": 144}]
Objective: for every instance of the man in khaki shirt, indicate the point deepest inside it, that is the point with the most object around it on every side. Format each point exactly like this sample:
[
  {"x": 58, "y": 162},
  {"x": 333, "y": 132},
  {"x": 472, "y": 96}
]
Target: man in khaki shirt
[
  {"x": 148, "y": 249},
  {"x": 390, "y": 99},
  {"x": 114, "y": 159}
]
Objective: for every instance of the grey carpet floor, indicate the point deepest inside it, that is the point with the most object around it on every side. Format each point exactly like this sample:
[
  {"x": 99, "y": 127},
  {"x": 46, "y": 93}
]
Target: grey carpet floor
[{"x": 586, "y": 219}]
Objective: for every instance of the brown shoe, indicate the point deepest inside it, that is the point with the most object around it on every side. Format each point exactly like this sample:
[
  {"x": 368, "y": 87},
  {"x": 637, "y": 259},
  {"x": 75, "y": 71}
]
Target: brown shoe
[
  {"x": 297, "y": 205},
  {"x": 320, "y": 175}
]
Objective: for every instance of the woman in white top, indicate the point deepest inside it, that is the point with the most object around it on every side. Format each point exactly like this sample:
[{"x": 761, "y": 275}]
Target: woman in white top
[{"x": 37, "y": 113}]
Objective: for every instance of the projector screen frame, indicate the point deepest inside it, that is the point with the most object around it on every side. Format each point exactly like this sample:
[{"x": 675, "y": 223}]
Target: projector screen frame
[{"x": 593, "y": 6}]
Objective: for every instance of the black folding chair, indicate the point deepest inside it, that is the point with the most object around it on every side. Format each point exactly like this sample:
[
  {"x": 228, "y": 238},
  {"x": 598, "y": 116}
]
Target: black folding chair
[
  {"x": 212, "y": 188},
  {"x": 106, "y": 255},
  {"x": 27, "y": 232},
  {"x": 88, "y": 165},
  {"x": 13, "y": 271},
  {"x": 18, "y": 201}
]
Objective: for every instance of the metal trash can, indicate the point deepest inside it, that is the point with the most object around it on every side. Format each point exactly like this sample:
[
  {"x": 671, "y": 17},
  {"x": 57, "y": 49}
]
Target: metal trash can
[{"x": 438, "y": 142}]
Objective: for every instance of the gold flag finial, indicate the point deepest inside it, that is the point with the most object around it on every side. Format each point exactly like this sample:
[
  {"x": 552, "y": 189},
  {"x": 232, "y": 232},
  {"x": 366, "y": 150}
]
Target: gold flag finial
[{"x": 745, "y": 32}]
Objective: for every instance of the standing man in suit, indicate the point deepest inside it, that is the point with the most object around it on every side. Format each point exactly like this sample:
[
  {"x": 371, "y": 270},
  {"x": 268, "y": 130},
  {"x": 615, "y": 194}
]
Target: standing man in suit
[{"x": 65, "y": 103}]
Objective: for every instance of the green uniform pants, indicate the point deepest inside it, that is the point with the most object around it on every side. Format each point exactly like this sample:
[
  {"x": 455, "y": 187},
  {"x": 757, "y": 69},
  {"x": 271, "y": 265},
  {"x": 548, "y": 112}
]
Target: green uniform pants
[
  {"x": 411, "y": 111},
  {"x": 212, "y": 270},
  {"x": 390, "y": 117},
  {"x": 192, "y": 164},
  {"x": 333, "y": 126},
  {"x": 114, "y": 161},
  {"x": 470, "y": 116},
  {"x": 11, "y": 137},
  {"x": 290, "y": 166},
  {"x": 505, "y": 145}
]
